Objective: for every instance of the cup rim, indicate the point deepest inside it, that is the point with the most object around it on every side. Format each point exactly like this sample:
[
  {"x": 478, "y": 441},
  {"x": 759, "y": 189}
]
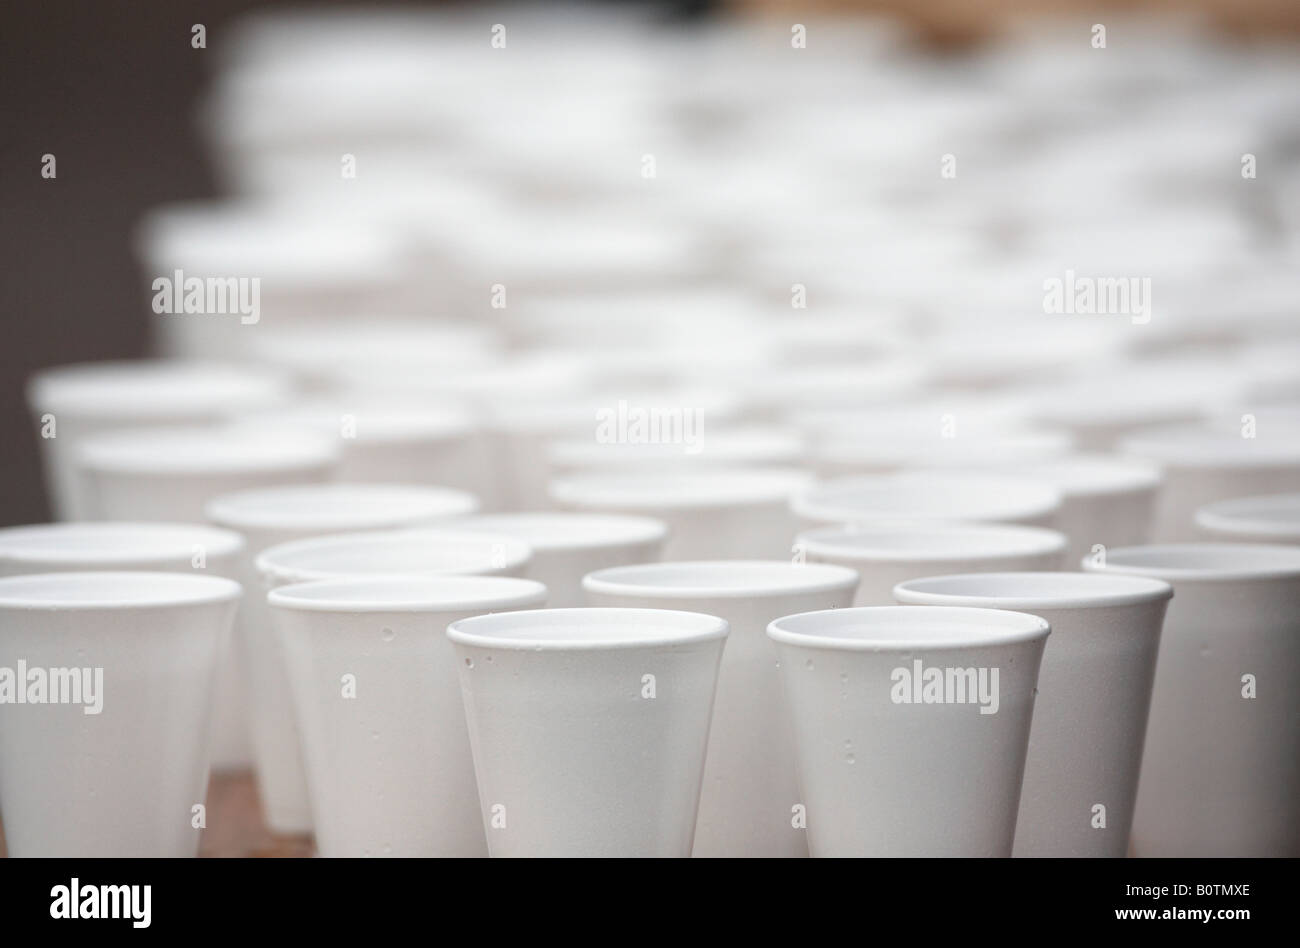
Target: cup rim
[
  {"x": 1203, "y": 446},
  {"x": 394, "y": 592},
  {"x": 740, "y": 445},
  {"x": 791, "y": 579},
  {"x": 270, "y": 563},
  {"x": 1019, "y": 627},
  {"x": 929, "y": 452},
  {"x": 825, "y": 501},
  {"x": 671, "y": 490},
  {"x": 404, "y": 423},
  {"x": 1124, "y": 475},
  {"x": 36, "y": 591},
  {"x": 1040, "y": 541},
  {"x": 170, "y": 540},
  {"x": 113, "y": 388},
  {"x": 341, "y": 506},
  {"x": 1107, "y": 589},
  {"x": 1250, "y": 515},
  {"x": 167, "y": 450},
  {"x": 624, "y": 529},
  {"x": 694, "y": 627},
  {"x": 1279, "y": 561}
]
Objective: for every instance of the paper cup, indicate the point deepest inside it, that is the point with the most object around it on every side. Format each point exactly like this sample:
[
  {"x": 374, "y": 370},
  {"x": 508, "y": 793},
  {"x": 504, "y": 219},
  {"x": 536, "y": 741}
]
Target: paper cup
[
  {"x": 1202, "y": 465},
  {"x": 710, "y": 514},
  {"x": 375, "y": 688},
  {"x": 1094, "y": 692},
  {"x": 568, "y": 546},
  {"x": 924, "y": 495},
  {"x": 1106, "y": 501},
  {"x": 589, "y": 727},
  {"x": 171, "y": 473},
  {"x": 1220, "y": 773},
  {"x": 148, "y": 547},
  {"x": 891, "y": 763},
  {"x": 124, "y": 774},
  {"x": 886, "y": 553},
  {"x": 1270, "y": 519},
  {"x": 72, "y": 402},
  {"x": 747, "y": 806},
  {"x": 270, "y": 517}
]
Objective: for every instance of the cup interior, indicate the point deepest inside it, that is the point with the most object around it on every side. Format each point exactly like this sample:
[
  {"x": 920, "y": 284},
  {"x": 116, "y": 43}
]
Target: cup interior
[
  {"x": 113, "y": 590},
  {"x": 1093, "y": 473},
  {"x": 405, "y": 421},
  {"x": 1202, "y": 561},
  {"x": 402, "y": 552},
  {"x": 1273, "y": 515},
  {"x": 1205, "y": 446},
  {"x": 720, "y": 578},
  {"x": 155, "y": 389},
  {"x": 410, "y": 594},
  {"x": 338, "y": 506},
  {"x": 112, "y": 542},
  {"x": 928, "y": 496},
  {"x": 713, "y": 488},
  {"x": 1029, "y": 591},
  {"x": 907, "y": 628},
  {"x": 587, "y": 629},
  {"x": 184, "y": 450},
  {"x": 930, "y": 540},
  {"x": 545, "y": 530},
  {"x": 727, "y": 445}
]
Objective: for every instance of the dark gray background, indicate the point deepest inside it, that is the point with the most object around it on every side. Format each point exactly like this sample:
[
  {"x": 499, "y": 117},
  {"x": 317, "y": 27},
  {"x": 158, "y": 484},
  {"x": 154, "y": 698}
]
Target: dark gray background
[{"x": 108, "y": 87}]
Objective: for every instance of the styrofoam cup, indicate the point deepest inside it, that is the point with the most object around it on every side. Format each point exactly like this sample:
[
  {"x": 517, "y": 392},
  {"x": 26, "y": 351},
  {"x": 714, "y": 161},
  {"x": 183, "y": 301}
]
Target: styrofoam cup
[
  {"x": 748, "y": 804},
  {"x": 929, "y": 495},
  {"x": 715, "y": 514},
  {"x": 567, "y": 546},
  {"x": 589, "y": 727},
  {"x": 891, "y": 764},
  {"x": 149, "y": 547},
  {"x": 888, "y": 552},
  {"x": 272, "y": 516},
  {"x": 1272, "y": 518},
  {"x": 171, "y": 473},
  {"x": 378, "y": 705},
  {"x": 72, "y": 402},
  {"x": 1220, "y": 773},
  {"x": 1094, "y": 693},
  {"x": 118, "y": 766}
]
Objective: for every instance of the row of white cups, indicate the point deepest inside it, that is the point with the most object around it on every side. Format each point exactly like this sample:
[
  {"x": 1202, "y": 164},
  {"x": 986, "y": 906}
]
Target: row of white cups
[
  {"x": 410, "y": 696},
  {"x": 469, "y": 627}
]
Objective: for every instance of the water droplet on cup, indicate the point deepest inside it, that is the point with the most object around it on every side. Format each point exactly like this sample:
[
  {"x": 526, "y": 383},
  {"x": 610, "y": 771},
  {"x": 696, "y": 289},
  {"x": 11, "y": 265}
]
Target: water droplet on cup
[{"x": 388, "y": 635}]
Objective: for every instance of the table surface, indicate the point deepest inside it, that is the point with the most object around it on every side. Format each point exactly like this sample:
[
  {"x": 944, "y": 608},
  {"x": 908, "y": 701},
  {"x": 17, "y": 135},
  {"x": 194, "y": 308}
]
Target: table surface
[{"x": 235, "y": 826}]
